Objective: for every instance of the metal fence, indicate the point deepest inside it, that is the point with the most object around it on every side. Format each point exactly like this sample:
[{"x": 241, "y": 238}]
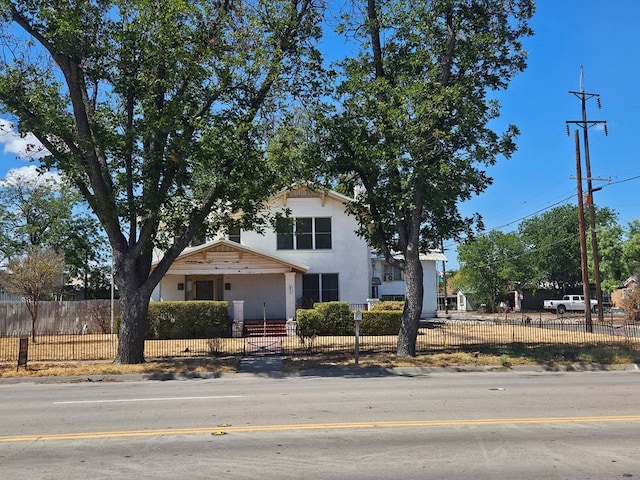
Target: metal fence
[{"x": 433, "y": 336}]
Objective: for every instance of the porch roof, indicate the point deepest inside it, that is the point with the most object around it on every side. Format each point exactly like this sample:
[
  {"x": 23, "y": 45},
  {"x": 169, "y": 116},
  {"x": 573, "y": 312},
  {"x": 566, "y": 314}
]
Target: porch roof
[{"x": 227, "y": 257}]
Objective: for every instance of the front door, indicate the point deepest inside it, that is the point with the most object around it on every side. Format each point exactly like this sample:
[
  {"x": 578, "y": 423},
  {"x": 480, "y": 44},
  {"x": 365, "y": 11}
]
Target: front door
[
  {"x": 204, "y": 290},
  {"x": 207, "y": 288}
]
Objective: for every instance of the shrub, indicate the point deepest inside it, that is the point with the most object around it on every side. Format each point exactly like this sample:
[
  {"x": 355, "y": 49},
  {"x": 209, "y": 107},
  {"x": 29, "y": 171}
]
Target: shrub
[
  {"x": 631, "y": 304},
  {"x": 388, "y": 305},
  {"x": 309, "y": 323},
  {"x": 191, "y": 319},
  {"x": 380, "y": 322},
  {"x": 336, "y": 318}
]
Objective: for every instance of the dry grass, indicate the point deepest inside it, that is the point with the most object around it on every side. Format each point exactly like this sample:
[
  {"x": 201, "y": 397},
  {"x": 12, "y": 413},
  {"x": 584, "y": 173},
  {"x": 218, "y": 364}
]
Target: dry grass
[
  {"x": 181, "y": 365},
  {"x": 104, "y": 347},
  {"x": 508, "y": 356}
]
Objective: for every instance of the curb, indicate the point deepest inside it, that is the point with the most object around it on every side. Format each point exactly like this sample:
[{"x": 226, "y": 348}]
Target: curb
[{"x": 350, "y": 372}]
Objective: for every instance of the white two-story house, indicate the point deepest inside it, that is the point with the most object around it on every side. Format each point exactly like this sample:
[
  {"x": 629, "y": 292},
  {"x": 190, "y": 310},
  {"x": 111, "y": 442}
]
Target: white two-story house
[{"x": 314, "y": 255}]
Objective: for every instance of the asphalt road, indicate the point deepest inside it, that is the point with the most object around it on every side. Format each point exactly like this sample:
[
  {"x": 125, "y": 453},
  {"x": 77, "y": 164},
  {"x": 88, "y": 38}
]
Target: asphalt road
[{"x": 519, "y": 425}]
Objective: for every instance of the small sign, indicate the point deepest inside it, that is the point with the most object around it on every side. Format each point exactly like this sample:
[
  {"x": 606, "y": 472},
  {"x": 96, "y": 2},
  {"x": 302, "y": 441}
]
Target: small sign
[{"x": 23, "y": 352}]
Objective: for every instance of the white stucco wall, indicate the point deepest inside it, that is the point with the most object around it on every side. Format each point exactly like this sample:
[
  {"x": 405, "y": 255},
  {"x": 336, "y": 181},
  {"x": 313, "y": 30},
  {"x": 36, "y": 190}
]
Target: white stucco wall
[
  {"x": 348, "y": 257},
  {"x": 430, "y": 295},
  {"x": 429, "y": 278},
  {"x": 167, "y": 289},
  {"x": 257, "y": 291}
]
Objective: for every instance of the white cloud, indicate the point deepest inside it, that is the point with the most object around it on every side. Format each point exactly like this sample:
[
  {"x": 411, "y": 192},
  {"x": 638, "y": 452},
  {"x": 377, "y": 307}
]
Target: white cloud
[
  {"x": 26, "y": 146},
  {"x": 29, "y": 176}
]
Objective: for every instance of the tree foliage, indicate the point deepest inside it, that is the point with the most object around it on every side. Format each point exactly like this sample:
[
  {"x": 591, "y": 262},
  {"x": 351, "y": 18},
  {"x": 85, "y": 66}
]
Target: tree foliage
[
  {"x": 545, "y": 253},
  {"x": 42, "y": 211},
  {"x": 631, "y": 249},
  {"x": 33, "y": 275},
  {"x": 492, "y": 265},
  {"x": 611, "y": 240},
  {"x": 554, "y": 239},
  {"x": 412, "y": 127},
  {"x": 160, "y": 114}
]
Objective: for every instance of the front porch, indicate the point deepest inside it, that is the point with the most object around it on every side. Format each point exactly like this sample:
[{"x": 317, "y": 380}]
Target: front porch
[{"x": 255, "y": 284}]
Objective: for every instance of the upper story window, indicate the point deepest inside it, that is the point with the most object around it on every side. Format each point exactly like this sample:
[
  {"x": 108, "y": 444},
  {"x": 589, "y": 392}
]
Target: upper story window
[
  {"x": 197, "y": 240},
  {"x": 234, "y": 234},
  {"x": 304, "y": 233}
]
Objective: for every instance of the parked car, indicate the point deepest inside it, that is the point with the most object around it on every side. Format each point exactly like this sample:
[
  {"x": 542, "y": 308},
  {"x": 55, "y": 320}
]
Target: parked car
[{"x": 570, "y": 303}]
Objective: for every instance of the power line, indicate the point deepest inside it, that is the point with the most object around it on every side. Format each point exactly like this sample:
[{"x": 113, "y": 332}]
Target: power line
[{"x": 453, "y": 244}]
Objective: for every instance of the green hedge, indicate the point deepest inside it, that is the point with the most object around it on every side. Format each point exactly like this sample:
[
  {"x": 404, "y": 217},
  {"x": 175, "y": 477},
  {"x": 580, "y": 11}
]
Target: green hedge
[
  {"x": 191, "y": 319},
  {"x": 380, "y": 322},
  {"x": 309, "y": 323},
  {"x": 329, "y": 318},
  {"x": 388, "y": 305},
  {"x": 335, "y": 318}
]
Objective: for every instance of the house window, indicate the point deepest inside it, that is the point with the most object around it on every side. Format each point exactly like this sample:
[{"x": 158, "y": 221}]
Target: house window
[
  {"x": 391, "y": 273},
  {"x": 234, "y": 234},
  {"x": 323, "y": 232},
  {"x": 284, "y": 229},
  {"x": 197, "y": 240},
  {"x": 320, "y": 287},
  {"x": 304, "y": 233}
]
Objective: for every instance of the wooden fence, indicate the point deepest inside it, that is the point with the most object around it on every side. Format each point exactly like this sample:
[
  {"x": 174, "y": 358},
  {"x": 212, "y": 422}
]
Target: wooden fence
[{"x": 88, "y": 316}]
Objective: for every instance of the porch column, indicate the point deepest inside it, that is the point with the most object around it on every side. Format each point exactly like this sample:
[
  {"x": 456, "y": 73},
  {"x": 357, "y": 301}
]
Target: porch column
[
  {"x": 290, "y": 295},
  {"x": 371, "y": 302}
]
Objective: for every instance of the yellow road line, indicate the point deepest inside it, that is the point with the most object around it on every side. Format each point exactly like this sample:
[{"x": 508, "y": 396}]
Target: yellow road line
[{"x": 317, "y": 426}]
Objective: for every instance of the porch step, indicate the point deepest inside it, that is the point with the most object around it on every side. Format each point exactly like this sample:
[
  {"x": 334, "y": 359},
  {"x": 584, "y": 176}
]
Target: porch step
[{"x": 268, "y": 330}]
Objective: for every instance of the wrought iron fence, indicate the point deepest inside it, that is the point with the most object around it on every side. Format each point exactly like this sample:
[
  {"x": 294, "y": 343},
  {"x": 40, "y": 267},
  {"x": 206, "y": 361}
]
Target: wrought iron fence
[{"x": 433, "y": 336}]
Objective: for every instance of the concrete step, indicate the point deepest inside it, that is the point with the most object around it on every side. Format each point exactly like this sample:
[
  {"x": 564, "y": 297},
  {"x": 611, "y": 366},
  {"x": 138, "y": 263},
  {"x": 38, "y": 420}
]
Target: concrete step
[{"x": 269, "y": 330}]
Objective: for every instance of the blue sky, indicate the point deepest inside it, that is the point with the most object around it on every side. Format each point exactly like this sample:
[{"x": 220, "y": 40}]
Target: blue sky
[
  {"x": 604, "y": 38},
  {"x": 601, "y": 36}
]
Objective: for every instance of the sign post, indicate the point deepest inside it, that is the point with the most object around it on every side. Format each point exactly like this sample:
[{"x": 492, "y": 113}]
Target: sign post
[
  {"x": 357, "y": 316},
  {"x": 23, "y": 352}
]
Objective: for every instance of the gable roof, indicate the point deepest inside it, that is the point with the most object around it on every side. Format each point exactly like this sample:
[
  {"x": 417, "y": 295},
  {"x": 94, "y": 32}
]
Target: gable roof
[
  {"x": 305, "y": 190},
  {"x": 227, "y": 257}
]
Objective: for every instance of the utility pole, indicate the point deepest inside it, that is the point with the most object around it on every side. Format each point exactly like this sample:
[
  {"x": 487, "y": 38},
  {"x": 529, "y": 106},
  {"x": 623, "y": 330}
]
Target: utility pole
[
  {"x": 444, "y": 279},
  {"x": 583, "y": 240},
  {"x": 585, "y": 125}
]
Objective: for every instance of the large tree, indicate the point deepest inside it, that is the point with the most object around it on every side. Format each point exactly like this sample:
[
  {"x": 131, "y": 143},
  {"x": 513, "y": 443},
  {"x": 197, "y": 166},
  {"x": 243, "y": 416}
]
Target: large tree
[
  {"x": 41, "y": 210},
  {"x": 610, "y": 245},
  {"x": 412, "y": 122},
  {"x": 491, "y": 265},
  {"x": 631, "y": 249},
  {"x": 554, "y": 239},
  {"x": 160, "y": 114}
]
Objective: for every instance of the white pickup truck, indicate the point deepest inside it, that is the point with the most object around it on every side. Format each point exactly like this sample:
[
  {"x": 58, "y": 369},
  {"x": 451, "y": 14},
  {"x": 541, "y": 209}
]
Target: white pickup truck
[{"x": 569, "y": 303}]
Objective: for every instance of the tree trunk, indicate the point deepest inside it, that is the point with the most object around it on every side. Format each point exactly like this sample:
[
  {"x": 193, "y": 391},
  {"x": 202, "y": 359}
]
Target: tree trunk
[
  {"x": 132, "y": 277},
  {"x": 412, "y": 305},
  {"x": 134, "y": 308},
  {"x": 34, "y": 318}
]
